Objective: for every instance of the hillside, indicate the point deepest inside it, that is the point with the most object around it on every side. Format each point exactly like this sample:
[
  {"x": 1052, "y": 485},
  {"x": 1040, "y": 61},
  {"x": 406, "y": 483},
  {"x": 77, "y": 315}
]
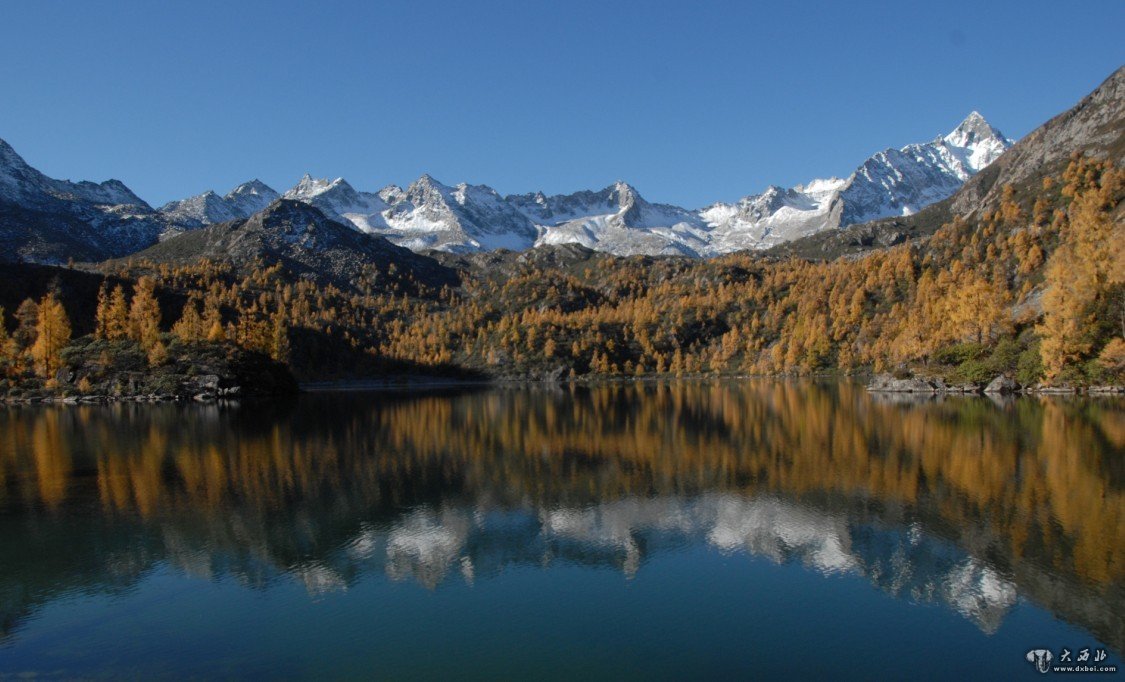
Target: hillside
[
  {"x": 1029, "y": 283},
  {"x": 1093, "y": 127},
  {"x": 305, "y": 243}
]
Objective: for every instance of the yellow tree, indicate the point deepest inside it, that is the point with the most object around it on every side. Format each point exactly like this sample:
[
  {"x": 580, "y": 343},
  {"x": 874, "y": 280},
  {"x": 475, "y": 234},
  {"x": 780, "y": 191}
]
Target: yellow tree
[
  {"x": 9, "y": 352},
  {"x": 101, "y": 313},
  {"x": 190, "y": 326},
  {"x": 52, "y": 335},
  {"x": 279, "y": 337},
  {"x": 1086, "y": 265},
  {"x": 144, "y": 321},
  {"x": 113, "y": 319},
  {"x": 212, "y": 318},
  {"x": 978, "y": 309},
  {"x": 27, "y": 319}
]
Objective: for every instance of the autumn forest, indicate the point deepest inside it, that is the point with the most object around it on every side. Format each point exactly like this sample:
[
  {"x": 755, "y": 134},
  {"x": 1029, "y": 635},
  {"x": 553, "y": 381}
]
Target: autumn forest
[{"x": 1034, "y": 289}]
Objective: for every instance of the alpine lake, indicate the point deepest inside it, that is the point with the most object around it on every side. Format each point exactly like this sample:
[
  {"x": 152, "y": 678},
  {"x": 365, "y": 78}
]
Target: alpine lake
[{"x": 680, "y": 530}]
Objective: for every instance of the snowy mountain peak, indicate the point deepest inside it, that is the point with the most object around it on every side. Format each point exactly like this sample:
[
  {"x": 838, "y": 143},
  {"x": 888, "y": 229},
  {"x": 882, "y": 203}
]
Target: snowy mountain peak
[
  {"x": 428, "y": 214},
  {"x": 976, "y": 142},
  {"x": 309, "y": 187},
  {"x": 93, "y": 220},
  {"x": 427, "y": 191},
  {"x": 10, "y": 160},
  {"x": 428, "y": 185},
  {"x": 974, "y": 128},
  {"x": 209, "y": 208},
  {"x": 250, "y": 197},
  {"x": 391, "y": 193},
  {"x": 890, "y": 183},
  {"x": 253, "y": 187}
]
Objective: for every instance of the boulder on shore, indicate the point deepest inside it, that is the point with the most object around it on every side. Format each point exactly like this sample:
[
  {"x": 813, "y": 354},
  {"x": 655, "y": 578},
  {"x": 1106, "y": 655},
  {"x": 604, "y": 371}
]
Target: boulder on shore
[
  {"x": 1002, "y": 385},
  {"x": 1106, "y": 390},
  {"x": 885, "y": 383}
]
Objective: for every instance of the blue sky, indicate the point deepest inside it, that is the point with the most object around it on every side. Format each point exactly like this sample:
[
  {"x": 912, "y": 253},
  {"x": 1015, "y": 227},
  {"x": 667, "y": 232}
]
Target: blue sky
[{"x": 691, "y": 102}]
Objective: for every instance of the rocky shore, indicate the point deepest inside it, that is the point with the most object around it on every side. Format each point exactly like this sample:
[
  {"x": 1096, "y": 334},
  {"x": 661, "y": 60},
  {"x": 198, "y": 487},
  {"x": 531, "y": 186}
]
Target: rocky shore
[
  {"x": 1001, "y": 385},
  {"x": 99, "y": 373}
]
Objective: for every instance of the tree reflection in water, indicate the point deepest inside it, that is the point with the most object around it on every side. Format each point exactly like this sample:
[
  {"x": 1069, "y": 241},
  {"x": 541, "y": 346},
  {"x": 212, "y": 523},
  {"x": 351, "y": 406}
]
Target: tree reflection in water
[{"x": 962, "y": 501}]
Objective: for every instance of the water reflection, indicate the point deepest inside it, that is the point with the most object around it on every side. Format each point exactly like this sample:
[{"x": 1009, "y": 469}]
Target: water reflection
[{"x": 963, "y": 502}]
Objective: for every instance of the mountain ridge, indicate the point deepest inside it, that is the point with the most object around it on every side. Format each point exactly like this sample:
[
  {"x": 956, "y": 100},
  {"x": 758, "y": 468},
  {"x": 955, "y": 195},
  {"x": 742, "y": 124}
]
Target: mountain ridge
[
  {"x": 107, "y": 220},
  {"x": 306, "y": 241}
]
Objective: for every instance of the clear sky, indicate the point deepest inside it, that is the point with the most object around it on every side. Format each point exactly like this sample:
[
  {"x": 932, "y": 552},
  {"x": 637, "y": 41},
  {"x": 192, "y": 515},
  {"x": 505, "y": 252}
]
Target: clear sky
[{"x": 691, "y": 102}]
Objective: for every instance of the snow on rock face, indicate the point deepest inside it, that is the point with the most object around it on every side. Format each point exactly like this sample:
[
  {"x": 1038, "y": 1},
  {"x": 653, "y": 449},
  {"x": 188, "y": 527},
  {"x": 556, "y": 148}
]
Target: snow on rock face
[
  {"x": 88, "y": 220},
  {"x": 426, "y": 215},
  {"x": 977, "y": 142},
  {"x": 616, "y": 219},
  {"x": 210, "y": 208},
  {"x": 251, "y": 197},
  {"x": 431, "y": 215},
  {"x": 340, "y": 201},
  {"x": 892, "y": 182},
  {"x": 19, "y": 182}
]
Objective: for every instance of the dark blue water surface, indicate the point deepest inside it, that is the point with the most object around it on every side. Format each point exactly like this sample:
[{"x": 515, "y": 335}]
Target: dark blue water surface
[{"x": 668, "y": 531}]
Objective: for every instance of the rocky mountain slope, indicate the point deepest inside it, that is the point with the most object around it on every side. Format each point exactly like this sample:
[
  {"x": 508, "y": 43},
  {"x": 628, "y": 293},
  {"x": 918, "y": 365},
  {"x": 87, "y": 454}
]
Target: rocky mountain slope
[
  {"x": 47, "y": 220},
  {"x": 210, "y": 208},
  {"x": 616, "y": 220},
  {"x": 1095, "y": 126},
  {"x": 425, "y": 215},
  {"x": 894, "y": 182},
  {"x": 304, "y": 241}
]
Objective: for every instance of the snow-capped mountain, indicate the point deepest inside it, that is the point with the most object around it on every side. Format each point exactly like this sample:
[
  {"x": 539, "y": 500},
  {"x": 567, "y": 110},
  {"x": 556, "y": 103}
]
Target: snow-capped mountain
[
  {"x": 21, "y": 183},
  {"x": 903, "y": 181},
  {"x": 893, "y": 182},
  {"x": 758, "y": 220},
  {"x": 340, "y": 201},
  {"x": 425, "y": 215},
  {"x": 210, "y": 208},
  {"x": 616, "y": 219},
  {"x": 310, "y": 243},
  {"x": 48, "y": 220}
]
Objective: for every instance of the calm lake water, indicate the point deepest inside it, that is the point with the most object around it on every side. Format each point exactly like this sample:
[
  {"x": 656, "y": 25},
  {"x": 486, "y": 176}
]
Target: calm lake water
[{"x": 683, "y": 530}]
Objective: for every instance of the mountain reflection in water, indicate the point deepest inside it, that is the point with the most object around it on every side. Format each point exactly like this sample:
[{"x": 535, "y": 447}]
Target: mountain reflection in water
[{"x": 964, "y": 502}]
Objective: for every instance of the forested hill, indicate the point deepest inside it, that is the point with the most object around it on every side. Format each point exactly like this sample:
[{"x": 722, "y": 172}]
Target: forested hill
[{"x": 1026, "y": 278}]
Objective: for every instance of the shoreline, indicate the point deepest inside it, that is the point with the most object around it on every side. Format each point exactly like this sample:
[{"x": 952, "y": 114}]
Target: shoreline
[{"x": 399, "y": 384}]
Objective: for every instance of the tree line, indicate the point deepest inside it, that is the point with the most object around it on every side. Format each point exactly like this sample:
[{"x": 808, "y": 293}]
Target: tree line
[{"x": 1034, "y": 289}]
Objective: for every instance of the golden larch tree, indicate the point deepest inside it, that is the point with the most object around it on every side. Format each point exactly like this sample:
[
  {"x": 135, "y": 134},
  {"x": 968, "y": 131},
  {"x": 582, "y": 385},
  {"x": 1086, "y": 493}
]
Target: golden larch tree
[{"x": 52, "y": 335}]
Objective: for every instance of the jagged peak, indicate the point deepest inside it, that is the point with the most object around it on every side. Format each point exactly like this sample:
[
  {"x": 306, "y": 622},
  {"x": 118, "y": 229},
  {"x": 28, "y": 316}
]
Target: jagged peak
[
  {"x": 309, "y": 187},
  {"x": 9, "y": 156},
  {"x": 625, "y": 189},
  {"x": 283, "y": 207},
  {"x": 622, "y": 193},
  {"x": 463, "y": 187},
  {"x": 254, "y": 186},
  {"x": 975, "y": 128},
  {"x": 390, "y": 193},
  {"x": 425, "y": 180}
]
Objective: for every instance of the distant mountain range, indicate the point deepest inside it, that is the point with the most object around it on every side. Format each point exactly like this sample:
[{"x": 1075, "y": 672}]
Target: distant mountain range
[{"x": 47, "y": 220}]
